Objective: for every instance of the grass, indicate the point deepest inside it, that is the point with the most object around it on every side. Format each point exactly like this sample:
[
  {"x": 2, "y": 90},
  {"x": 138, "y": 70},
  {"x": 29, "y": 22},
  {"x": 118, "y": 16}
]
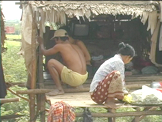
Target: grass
[
  {"x": 13, "y": 37},
  {"x": 9, "y": 43},
  {"x": 13, "y": 64}
]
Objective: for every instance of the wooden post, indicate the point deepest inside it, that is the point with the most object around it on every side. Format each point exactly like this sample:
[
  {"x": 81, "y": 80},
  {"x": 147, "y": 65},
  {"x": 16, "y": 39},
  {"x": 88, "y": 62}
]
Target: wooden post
[
  {"x": 40, "y": 59},
  {"x": 42, "y": 108},
  {"x": 34, "y": 63},
  {"x": 33, "y": 74},
  {"x": 32, "y": 107},
  {"x": 139, "y": 118},
  {"x": 41, "y": 97},
  {"x": 111, "y": 119},
  {"x": 136, "y": 119}
]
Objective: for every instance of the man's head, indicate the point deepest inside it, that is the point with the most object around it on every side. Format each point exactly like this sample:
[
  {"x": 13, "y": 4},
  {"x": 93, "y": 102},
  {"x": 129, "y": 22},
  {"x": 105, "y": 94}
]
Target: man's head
[
  {"x": 60, "y": 35},
  {"x": 126, "y": 51},
  {"x": 67, "y": 30}
]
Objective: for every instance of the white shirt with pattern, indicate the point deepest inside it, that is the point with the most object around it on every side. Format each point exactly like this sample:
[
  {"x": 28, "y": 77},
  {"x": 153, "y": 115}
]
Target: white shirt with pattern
[{"x": 112, "y": 64}]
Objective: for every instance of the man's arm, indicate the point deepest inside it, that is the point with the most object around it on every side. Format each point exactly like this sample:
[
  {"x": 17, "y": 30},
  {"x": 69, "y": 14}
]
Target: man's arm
[
  {"x": 85, "y": 52},
  {"x": 50, "y": 51}
]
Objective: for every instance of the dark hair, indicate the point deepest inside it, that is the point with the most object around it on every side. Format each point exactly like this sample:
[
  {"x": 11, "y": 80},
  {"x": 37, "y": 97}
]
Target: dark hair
[
  {"x": 126, "y": 49},
  {"x": 62, "y": 38}
]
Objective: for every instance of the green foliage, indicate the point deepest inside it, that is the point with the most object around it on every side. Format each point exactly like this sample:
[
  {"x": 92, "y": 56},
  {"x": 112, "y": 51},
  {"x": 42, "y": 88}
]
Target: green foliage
[
  {"x": 17, "y": 108},
  {"x": 13, "y": 64},
  {"x": 14, "y": 71}
]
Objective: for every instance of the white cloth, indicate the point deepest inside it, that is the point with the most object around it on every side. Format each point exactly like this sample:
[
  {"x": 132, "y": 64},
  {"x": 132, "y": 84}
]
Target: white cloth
[
  {"x": 161, "y": 11},
  {"x": 152, "y": 21},
  {"x": 153, "y": 44},
  {"x": 144, "y": 17},
  {"x": 112, "y": 64},
  {"x": 160, "y": 38}
]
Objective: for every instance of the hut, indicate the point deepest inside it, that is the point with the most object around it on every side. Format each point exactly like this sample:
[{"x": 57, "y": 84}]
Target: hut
[{"x": 104, "y": 24}]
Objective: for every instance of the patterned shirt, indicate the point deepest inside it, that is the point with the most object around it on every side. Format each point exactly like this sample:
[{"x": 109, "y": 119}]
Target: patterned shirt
[{"x": 112, "y": 64}]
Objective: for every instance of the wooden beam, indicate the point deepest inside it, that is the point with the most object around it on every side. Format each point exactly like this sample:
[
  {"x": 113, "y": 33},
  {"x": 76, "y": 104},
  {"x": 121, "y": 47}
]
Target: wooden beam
[
  {"x": 7, "y": 100},
  {"x": 17, "y": 94},
  {"x": 11, "y": 117},
  {"x": 121, "y": 114},
  {"x": 40, "y": 91},
  {"x": 21, "y": 84}
]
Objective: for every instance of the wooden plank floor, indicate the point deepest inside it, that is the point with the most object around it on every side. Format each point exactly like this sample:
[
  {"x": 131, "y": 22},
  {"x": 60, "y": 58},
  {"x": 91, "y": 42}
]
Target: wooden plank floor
[{"x": 82, "y": 99}]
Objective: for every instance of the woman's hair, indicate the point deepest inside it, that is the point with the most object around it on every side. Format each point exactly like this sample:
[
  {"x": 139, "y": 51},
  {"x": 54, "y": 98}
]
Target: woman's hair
[{"x": 126, "y": 49}]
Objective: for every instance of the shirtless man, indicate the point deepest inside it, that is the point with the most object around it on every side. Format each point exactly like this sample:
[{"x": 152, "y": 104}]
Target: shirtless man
[
  {"x": 74, "y": 72},
  {"x": 80, "y": 44}
]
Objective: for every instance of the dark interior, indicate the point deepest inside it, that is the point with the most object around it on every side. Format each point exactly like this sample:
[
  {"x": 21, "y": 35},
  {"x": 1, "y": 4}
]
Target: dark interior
[{"x": 102, "y": 35}]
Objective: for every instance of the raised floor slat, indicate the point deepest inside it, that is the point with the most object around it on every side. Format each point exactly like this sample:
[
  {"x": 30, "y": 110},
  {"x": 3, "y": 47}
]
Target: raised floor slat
[{"x": 83, "y": 100}]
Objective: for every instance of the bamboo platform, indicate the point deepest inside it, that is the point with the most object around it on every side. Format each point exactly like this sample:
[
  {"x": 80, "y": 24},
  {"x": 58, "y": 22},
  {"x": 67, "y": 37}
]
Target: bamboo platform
[
  {"x": 80, "y": 98},
  {"x": 83, "y": 100}
]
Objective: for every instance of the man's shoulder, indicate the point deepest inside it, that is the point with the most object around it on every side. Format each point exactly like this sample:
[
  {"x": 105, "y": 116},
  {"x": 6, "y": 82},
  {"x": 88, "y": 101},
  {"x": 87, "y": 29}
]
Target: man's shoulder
[{"x": 61, "y": 45}]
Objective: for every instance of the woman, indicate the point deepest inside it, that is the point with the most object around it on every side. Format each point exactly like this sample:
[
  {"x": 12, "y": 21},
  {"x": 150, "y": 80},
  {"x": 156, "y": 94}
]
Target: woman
[{"x": 108, "y": 81}]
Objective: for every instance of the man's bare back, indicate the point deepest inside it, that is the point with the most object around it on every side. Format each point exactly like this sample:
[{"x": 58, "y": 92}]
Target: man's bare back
[{"x": 73, "y": 57}]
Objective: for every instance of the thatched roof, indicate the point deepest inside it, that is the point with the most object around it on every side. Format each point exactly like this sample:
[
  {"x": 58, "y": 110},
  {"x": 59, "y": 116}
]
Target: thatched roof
[{"x": 81, "y": 8}]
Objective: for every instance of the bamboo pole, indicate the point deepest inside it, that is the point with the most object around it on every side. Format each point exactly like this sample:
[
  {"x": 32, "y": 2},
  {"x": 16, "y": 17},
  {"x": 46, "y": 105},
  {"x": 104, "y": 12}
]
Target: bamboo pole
[
  {"x": 22, "y": 97},
  {"x": 11, "y": 117},
  {"x": 42, "y": 108},
  {"x": 40, "y": 91},
  {"x": 33, "y": 44},
  {"x": 40, "y": 57},
  {"x": 121, "y": 114},
  {"x": 33, "y": 74},
  {"x": 7, "y": 100},
  {"x": 18, "y": 94},
  {"x": 21, "y": 84},
  {"x": 111, "y": 119},
  {"x": 40, "y": 97}
]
